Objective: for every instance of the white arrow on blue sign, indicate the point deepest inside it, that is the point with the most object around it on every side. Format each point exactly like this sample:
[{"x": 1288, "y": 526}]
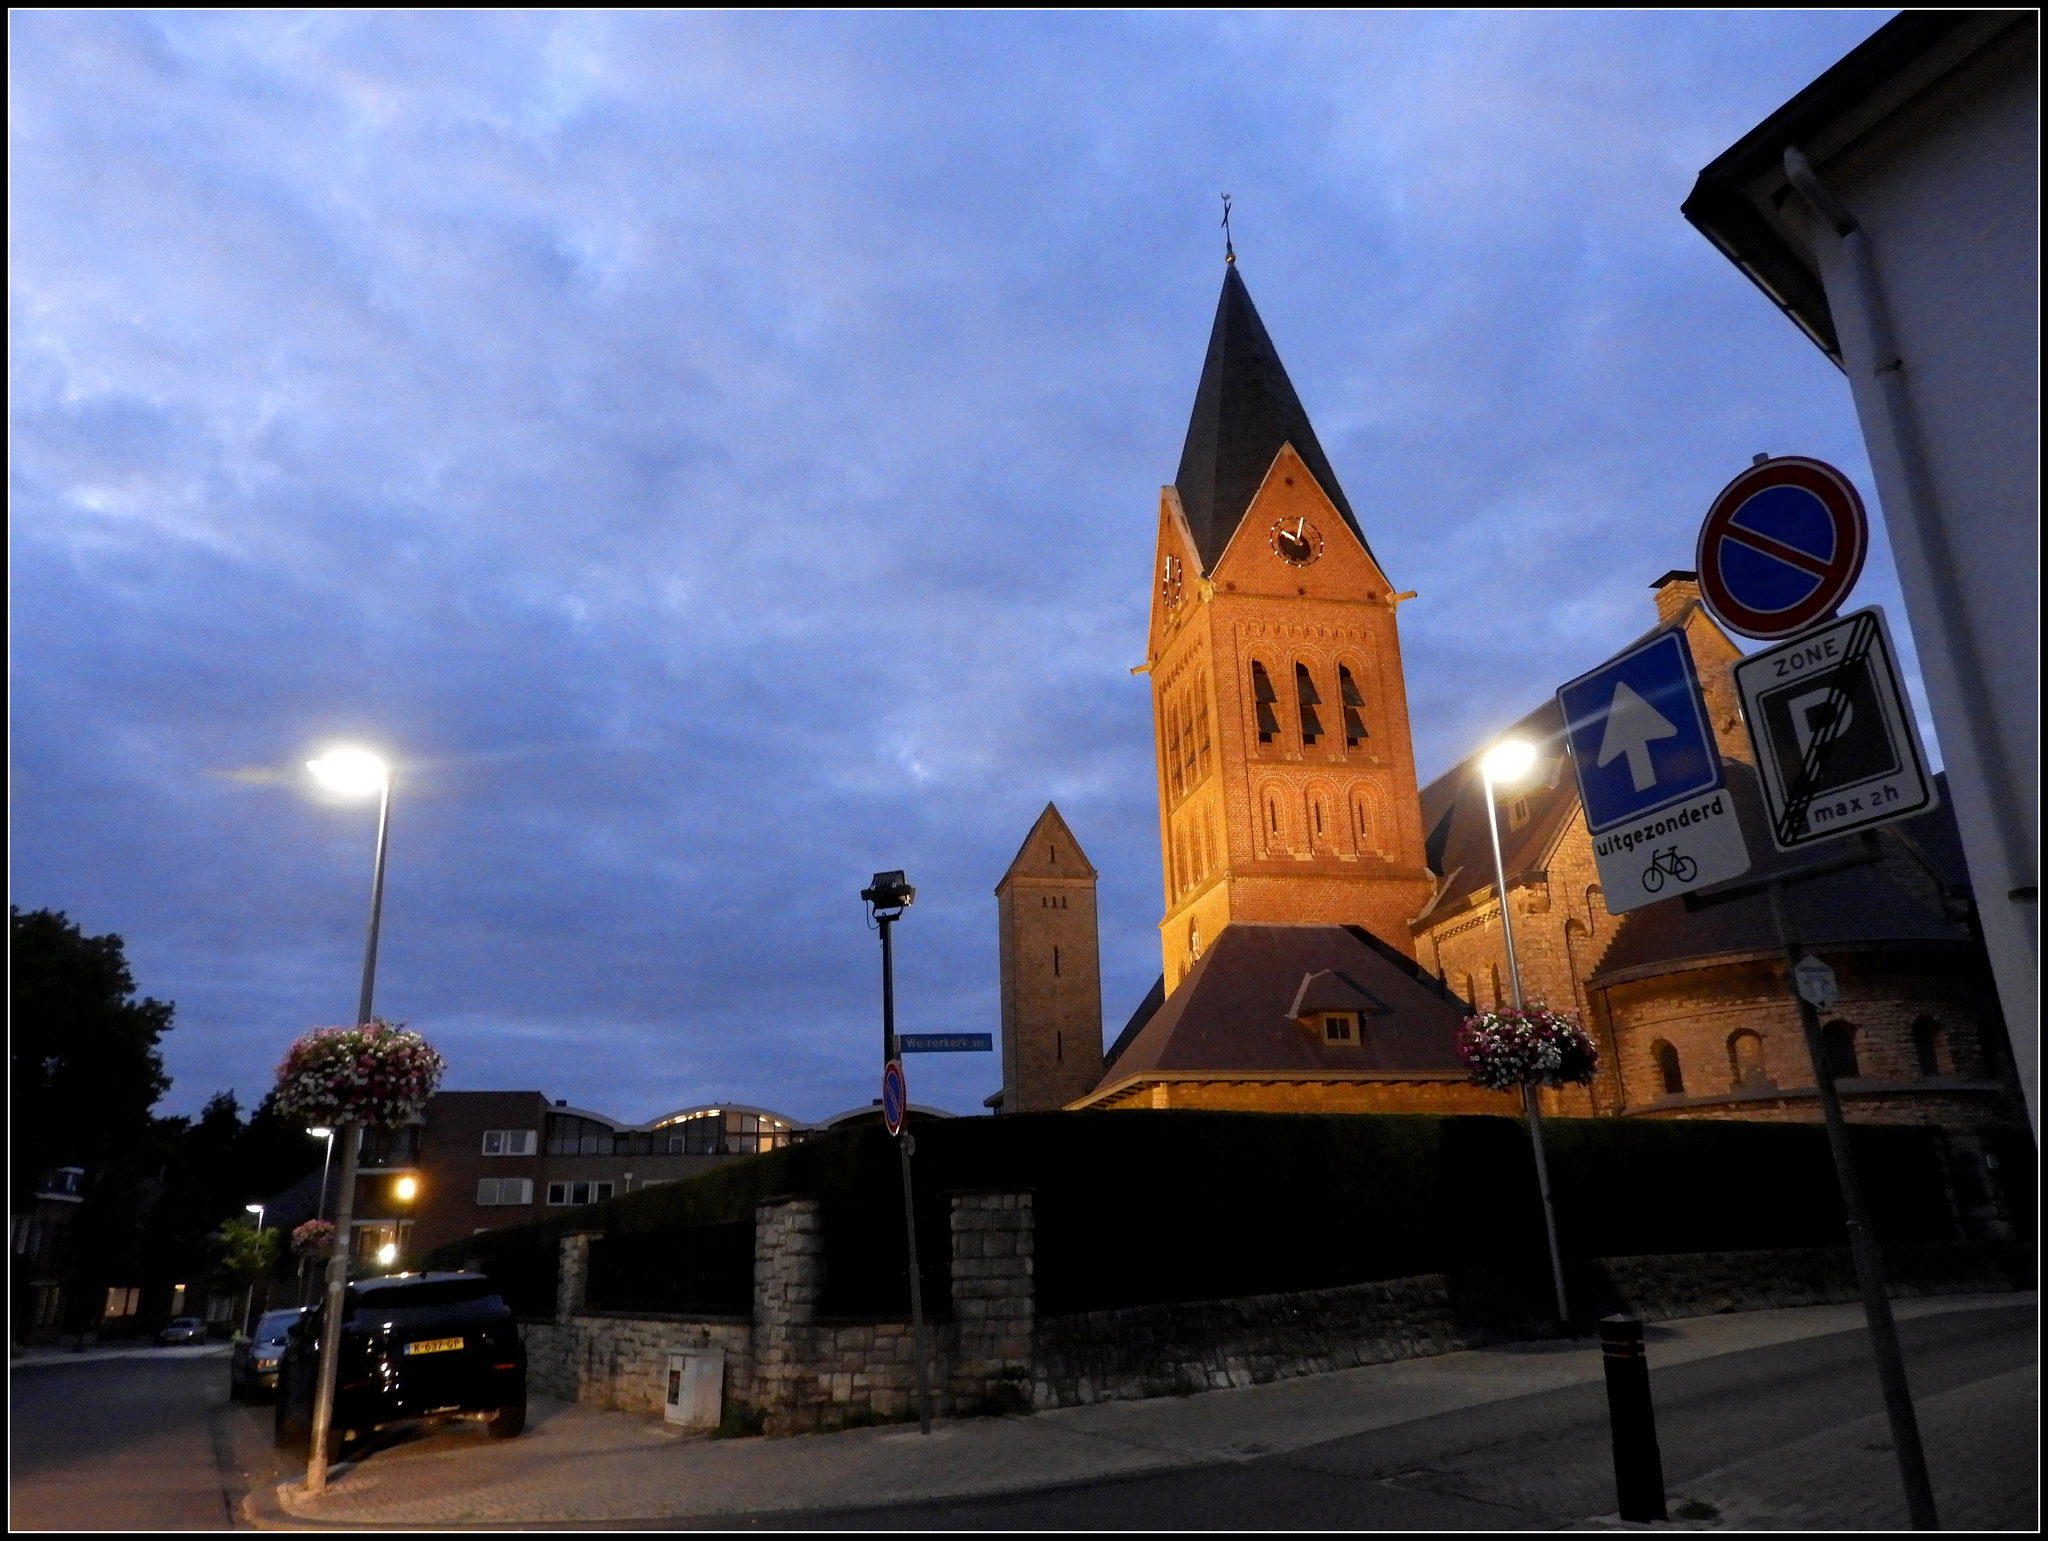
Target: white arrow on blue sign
[{"x": 1649, "y": 775}]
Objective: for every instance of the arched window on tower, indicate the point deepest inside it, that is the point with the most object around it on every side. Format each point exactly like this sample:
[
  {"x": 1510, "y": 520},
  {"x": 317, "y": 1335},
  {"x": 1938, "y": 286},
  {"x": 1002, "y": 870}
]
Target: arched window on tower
[
  {"x": 1263, "y": 697},
  {"x": 1305, "y": 696},
  {"x": 1928, "y": 1045},
  {"x": 1839, "y": 1040},
  {"x": 1354, "y": 707},
  {"x": 1746, "y": 1059},
  {"x": 1669, "y": 1076}
]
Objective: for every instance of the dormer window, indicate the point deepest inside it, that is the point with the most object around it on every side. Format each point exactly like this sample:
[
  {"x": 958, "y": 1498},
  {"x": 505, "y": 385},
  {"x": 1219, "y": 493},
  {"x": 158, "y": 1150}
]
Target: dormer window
[
  {"x": 1263, "y": 699},
  {"x": 1306, "y": 697},
  {"x": 1518, "y": 813},
  {"x": 1354, "y": 707},
  {"x": 1340, "y": 1027}
]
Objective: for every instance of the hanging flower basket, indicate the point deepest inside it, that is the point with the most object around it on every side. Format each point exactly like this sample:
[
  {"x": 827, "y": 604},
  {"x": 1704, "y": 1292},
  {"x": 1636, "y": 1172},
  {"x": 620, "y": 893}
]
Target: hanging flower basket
[
  {"x": 313, "y": 1238},
  {"x": 1509, "y": 1049},
  {"x": 378, "y": 1073}
]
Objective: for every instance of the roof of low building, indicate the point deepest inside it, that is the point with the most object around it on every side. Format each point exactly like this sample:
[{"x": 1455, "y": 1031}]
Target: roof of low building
[
  {"x": 1230, "y": 1013},
  {"x": 1854, "y": 907}
]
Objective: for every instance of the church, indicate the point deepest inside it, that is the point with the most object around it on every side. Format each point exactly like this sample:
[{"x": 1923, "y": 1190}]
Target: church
[{"x": 1327, "y": 924}]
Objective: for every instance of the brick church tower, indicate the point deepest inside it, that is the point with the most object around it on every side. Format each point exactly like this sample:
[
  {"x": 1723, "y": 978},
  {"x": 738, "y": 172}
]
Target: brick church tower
[
  {"x": 1280, "y": 719},
  {"x": 1051, "y": 978}
]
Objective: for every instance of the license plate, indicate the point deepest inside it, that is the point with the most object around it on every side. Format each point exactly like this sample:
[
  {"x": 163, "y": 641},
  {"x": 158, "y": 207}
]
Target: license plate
[{"x": 433, "y": 1346}]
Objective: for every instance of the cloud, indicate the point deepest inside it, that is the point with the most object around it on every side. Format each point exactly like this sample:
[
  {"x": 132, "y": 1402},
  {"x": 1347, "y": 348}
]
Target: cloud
[{"x": 715, "y": 454}]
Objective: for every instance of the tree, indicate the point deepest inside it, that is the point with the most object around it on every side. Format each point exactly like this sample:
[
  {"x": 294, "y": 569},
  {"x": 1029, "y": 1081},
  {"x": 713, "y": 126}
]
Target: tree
[{"x": 83, "y": 1066}]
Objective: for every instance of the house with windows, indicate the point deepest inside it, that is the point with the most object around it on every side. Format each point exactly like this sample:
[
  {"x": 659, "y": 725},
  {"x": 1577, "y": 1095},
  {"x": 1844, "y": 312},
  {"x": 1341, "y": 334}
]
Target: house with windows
[{"x": 479, "y": 1160}]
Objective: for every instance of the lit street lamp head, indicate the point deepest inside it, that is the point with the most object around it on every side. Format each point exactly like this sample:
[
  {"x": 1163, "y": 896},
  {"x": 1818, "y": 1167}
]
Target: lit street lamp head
[
  {"x": 351, "y": 772},
  {"x": 1508, "y": 761}
]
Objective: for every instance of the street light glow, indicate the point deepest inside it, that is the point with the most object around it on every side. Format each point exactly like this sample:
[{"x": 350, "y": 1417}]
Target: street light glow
[
  {"x": 351, "y": 772},
  {"x": 254, "y": 1209},
  {"x": 405, "y": 1188},
  {"x": 321, "y": 1134},
  {"x": 1509, "y": 760},
  {"x": 387, "y": 1254}
]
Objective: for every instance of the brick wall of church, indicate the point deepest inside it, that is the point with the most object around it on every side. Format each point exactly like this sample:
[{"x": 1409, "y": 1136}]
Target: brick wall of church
[{"x": 1308, "y": 1096}]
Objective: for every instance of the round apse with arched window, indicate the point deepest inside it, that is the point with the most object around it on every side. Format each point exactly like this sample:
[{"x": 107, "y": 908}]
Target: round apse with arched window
[{"x": 1669, "y": 1075}]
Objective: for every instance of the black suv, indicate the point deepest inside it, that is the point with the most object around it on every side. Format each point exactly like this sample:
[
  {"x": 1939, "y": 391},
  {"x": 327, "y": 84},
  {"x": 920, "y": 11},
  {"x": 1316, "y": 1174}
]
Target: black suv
[{"x": 413, "y": 1346}]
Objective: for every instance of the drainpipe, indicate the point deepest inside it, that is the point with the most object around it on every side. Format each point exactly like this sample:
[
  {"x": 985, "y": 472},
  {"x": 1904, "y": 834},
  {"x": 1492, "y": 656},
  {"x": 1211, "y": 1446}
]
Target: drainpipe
[{"x": 1915, "y": 515}]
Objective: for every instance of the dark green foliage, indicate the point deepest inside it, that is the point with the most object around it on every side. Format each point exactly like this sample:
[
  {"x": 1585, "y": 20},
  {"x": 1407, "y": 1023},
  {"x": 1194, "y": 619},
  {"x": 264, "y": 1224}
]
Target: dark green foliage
[
  {"x": 699, "y": 1269},
  {"x": 1140, "y": 1207},
  {"x": 83, "y": 1066}
]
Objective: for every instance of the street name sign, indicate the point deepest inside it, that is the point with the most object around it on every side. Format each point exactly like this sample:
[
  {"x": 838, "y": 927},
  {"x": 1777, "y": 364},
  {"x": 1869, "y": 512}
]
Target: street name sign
[
  {"x": 1815, "y": 982},
  {"x": 1781, "y": 547},
  {"x": 1836, "y": 745},
  {"x": 895, "y": 1096},
  {"x": 945, "y": 1043},
  {"x": 1649, "y": 776}
]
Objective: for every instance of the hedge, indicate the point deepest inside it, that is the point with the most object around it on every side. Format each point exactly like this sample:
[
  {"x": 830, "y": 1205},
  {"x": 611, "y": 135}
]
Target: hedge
[{"x": 1139, "y": 1207}]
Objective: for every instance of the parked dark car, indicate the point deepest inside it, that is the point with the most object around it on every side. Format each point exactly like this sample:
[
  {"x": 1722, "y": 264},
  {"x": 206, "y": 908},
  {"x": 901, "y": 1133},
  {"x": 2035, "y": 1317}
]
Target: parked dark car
[
  {"x": 252, "y": 1367},
  {"x": 183, "y": 1329},
  {"x": 414, "y": 1346}
]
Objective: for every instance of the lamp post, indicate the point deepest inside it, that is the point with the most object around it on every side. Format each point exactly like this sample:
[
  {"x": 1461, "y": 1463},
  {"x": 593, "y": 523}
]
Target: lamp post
[
  {"x": 1508, "y": 762},
  {"x": 320, "y": 1200},
  {"x": 249, "y": 1300},
  {"x": 352, "y": 773},
  {"x": 888, "y": 895}
]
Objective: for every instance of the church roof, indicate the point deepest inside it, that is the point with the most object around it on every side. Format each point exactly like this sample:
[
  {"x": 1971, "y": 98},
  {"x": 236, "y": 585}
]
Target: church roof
[
  {"x": 1231, "y": 1012},
  {"x": 1049, "y": 851},
  {"x": 1245, "y": 412},
  {"x": 1859, "y": 906}
]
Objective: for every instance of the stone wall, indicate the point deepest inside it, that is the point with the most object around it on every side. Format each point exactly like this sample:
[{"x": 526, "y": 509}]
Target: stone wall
[
  {"x": 796, "y": 1370},
  {"x": 1172, "y": 1350},
  {"x": 1706, "y": 1283}
]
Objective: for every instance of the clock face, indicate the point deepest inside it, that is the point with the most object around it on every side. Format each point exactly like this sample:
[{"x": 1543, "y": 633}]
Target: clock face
[
  {"x": 1296, "y": 542},
  {"x": 1170, "y": 582}
]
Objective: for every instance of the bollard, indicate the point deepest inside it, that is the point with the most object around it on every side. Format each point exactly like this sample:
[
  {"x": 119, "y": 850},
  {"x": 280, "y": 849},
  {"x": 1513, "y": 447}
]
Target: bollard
[{"x": 1638, "y": 1467}]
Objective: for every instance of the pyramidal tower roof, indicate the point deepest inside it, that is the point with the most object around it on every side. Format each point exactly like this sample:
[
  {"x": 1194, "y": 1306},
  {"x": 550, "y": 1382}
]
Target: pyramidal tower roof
[
  {"x": 1049, "y": 851},
  {"x": 1245, "y": 410}
]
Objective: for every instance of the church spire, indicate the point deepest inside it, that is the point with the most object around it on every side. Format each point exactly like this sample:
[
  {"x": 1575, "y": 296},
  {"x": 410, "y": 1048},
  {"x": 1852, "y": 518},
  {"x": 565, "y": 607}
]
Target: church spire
[{"x": 1245, "y": 410}]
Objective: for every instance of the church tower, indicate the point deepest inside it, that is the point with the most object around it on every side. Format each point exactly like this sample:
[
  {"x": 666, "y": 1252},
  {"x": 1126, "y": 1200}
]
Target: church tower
[
  {"x": 1280, "y": 719},
  {"x": 1051, "y": 977}
]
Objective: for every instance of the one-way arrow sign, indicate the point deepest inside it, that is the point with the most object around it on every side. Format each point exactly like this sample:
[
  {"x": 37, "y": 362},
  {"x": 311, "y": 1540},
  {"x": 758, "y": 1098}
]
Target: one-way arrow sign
[
  {"x": 1649, "y": 775},
  {"x": 1631, "y": 724}
]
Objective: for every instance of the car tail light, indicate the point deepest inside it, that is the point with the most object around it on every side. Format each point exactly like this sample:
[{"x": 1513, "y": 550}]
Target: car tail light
[{"x": 505, "y": 1366}]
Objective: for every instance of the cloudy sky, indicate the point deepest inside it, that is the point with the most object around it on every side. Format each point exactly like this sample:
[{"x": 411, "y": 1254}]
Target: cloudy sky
[{"x": 717, "y": 457}]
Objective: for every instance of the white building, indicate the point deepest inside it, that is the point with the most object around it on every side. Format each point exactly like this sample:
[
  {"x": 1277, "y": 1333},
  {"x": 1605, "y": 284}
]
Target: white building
[{"x": 1890, "y": 209}]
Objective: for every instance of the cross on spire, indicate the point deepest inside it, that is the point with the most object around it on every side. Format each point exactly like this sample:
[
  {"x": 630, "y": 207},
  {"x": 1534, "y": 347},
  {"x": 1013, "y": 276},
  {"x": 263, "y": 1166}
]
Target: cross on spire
[{"x": 1229, "y": 255}]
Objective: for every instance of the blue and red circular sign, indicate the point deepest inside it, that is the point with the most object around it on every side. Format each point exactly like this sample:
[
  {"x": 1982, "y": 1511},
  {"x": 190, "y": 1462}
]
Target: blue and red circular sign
[
  {"x": 895, "y": 1096},
  {"x": 1781, "y": 548}
]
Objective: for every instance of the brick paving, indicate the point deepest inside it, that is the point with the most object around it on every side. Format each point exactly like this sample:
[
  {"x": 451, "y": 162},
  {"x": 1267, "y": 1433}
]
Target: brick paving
[{"x": 1982, "y": 1444}]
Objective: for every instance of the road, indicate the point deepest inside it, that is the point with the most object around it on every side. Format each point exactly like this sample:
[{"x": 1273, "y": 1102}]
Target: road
[
  {"x": 1545, "y": 1460},
  {"x": 152, "y": 1443},
  {"x": 143, "y": 1443}
]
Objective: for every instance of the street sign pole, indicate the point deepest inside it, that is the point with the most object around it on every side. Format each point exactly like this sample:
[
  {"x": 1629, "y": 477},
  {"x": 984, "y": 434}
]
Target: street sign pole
[
  {"x": 903, "y": 1149},
  {"x": 1877, "y": 1304}
]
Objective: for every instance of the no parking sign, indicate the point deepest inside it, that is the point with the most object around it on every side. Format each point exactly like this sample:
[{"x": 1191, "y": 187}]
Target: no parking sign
[{"x": 1781, "y": 548}]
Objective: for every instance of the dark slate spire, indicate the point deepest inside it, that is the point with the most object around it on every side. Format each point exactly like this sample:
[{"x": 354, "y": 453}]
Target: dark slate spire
[{"x": 1245, "y": 410}]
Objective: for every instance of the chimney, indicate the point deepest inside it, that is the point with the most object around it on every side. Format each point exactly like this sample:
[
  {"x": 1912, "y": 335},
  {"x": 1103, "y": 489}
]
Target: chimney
[{"x": 1675, "y": 590}]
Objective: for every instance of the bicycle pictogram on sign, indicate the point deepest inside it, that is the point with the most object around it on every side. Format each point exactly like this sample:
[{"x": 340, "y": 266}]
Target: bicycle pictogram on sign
[{"x": 1668, "y": 862}]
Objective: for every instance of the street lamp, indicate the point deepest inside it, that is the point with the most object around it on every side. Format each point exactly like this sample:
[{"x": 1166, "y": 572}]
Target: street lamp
[
  {"x": 326, "y": 1164},
  {"x": 351, "y": 773},
  {"x": 249, "y": 1301},
  {"x": 1505, "y": 764},
  {"x": 888, "y": 896}
]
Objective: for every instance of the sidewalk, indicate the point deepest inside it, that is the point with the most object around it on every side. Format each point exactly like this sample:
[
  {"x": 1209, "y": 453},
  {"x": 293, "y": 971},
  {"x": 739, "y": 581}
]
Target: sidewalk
[
  {"x": 579, "y": 1466},
  {"x": 40, "y": 1358}
]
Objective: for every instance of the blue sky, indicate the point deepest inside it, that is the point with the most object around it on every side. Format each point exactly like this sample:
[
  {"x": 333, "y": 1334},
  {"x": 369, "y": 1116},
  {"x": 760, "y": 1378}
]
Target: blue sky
[{"x": 717, "y": 456}]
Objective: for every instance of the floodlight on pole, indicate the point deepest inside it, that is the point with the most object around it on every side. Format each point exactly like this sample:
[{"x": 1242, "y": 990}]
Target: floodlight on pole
[{"x": 351, "y": 772}]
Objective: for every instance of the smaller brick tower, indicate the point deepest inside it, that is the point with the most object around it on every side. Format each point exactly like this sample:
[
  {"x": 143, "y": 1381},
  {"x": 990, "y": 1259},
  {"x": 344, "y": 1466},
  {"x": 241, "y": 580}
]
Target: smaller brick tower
[{"x": 1052, "y": 981}]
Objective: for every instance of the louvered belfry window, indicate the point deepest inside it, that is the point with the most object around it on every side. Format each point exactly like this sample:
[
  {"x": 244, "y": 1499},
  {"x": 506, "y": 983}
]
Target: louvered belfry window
[
  {"x": 1263, "y": 697},
  {"x": 1305, "y": 694},
  {"x": 1354, "y": 707}
]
